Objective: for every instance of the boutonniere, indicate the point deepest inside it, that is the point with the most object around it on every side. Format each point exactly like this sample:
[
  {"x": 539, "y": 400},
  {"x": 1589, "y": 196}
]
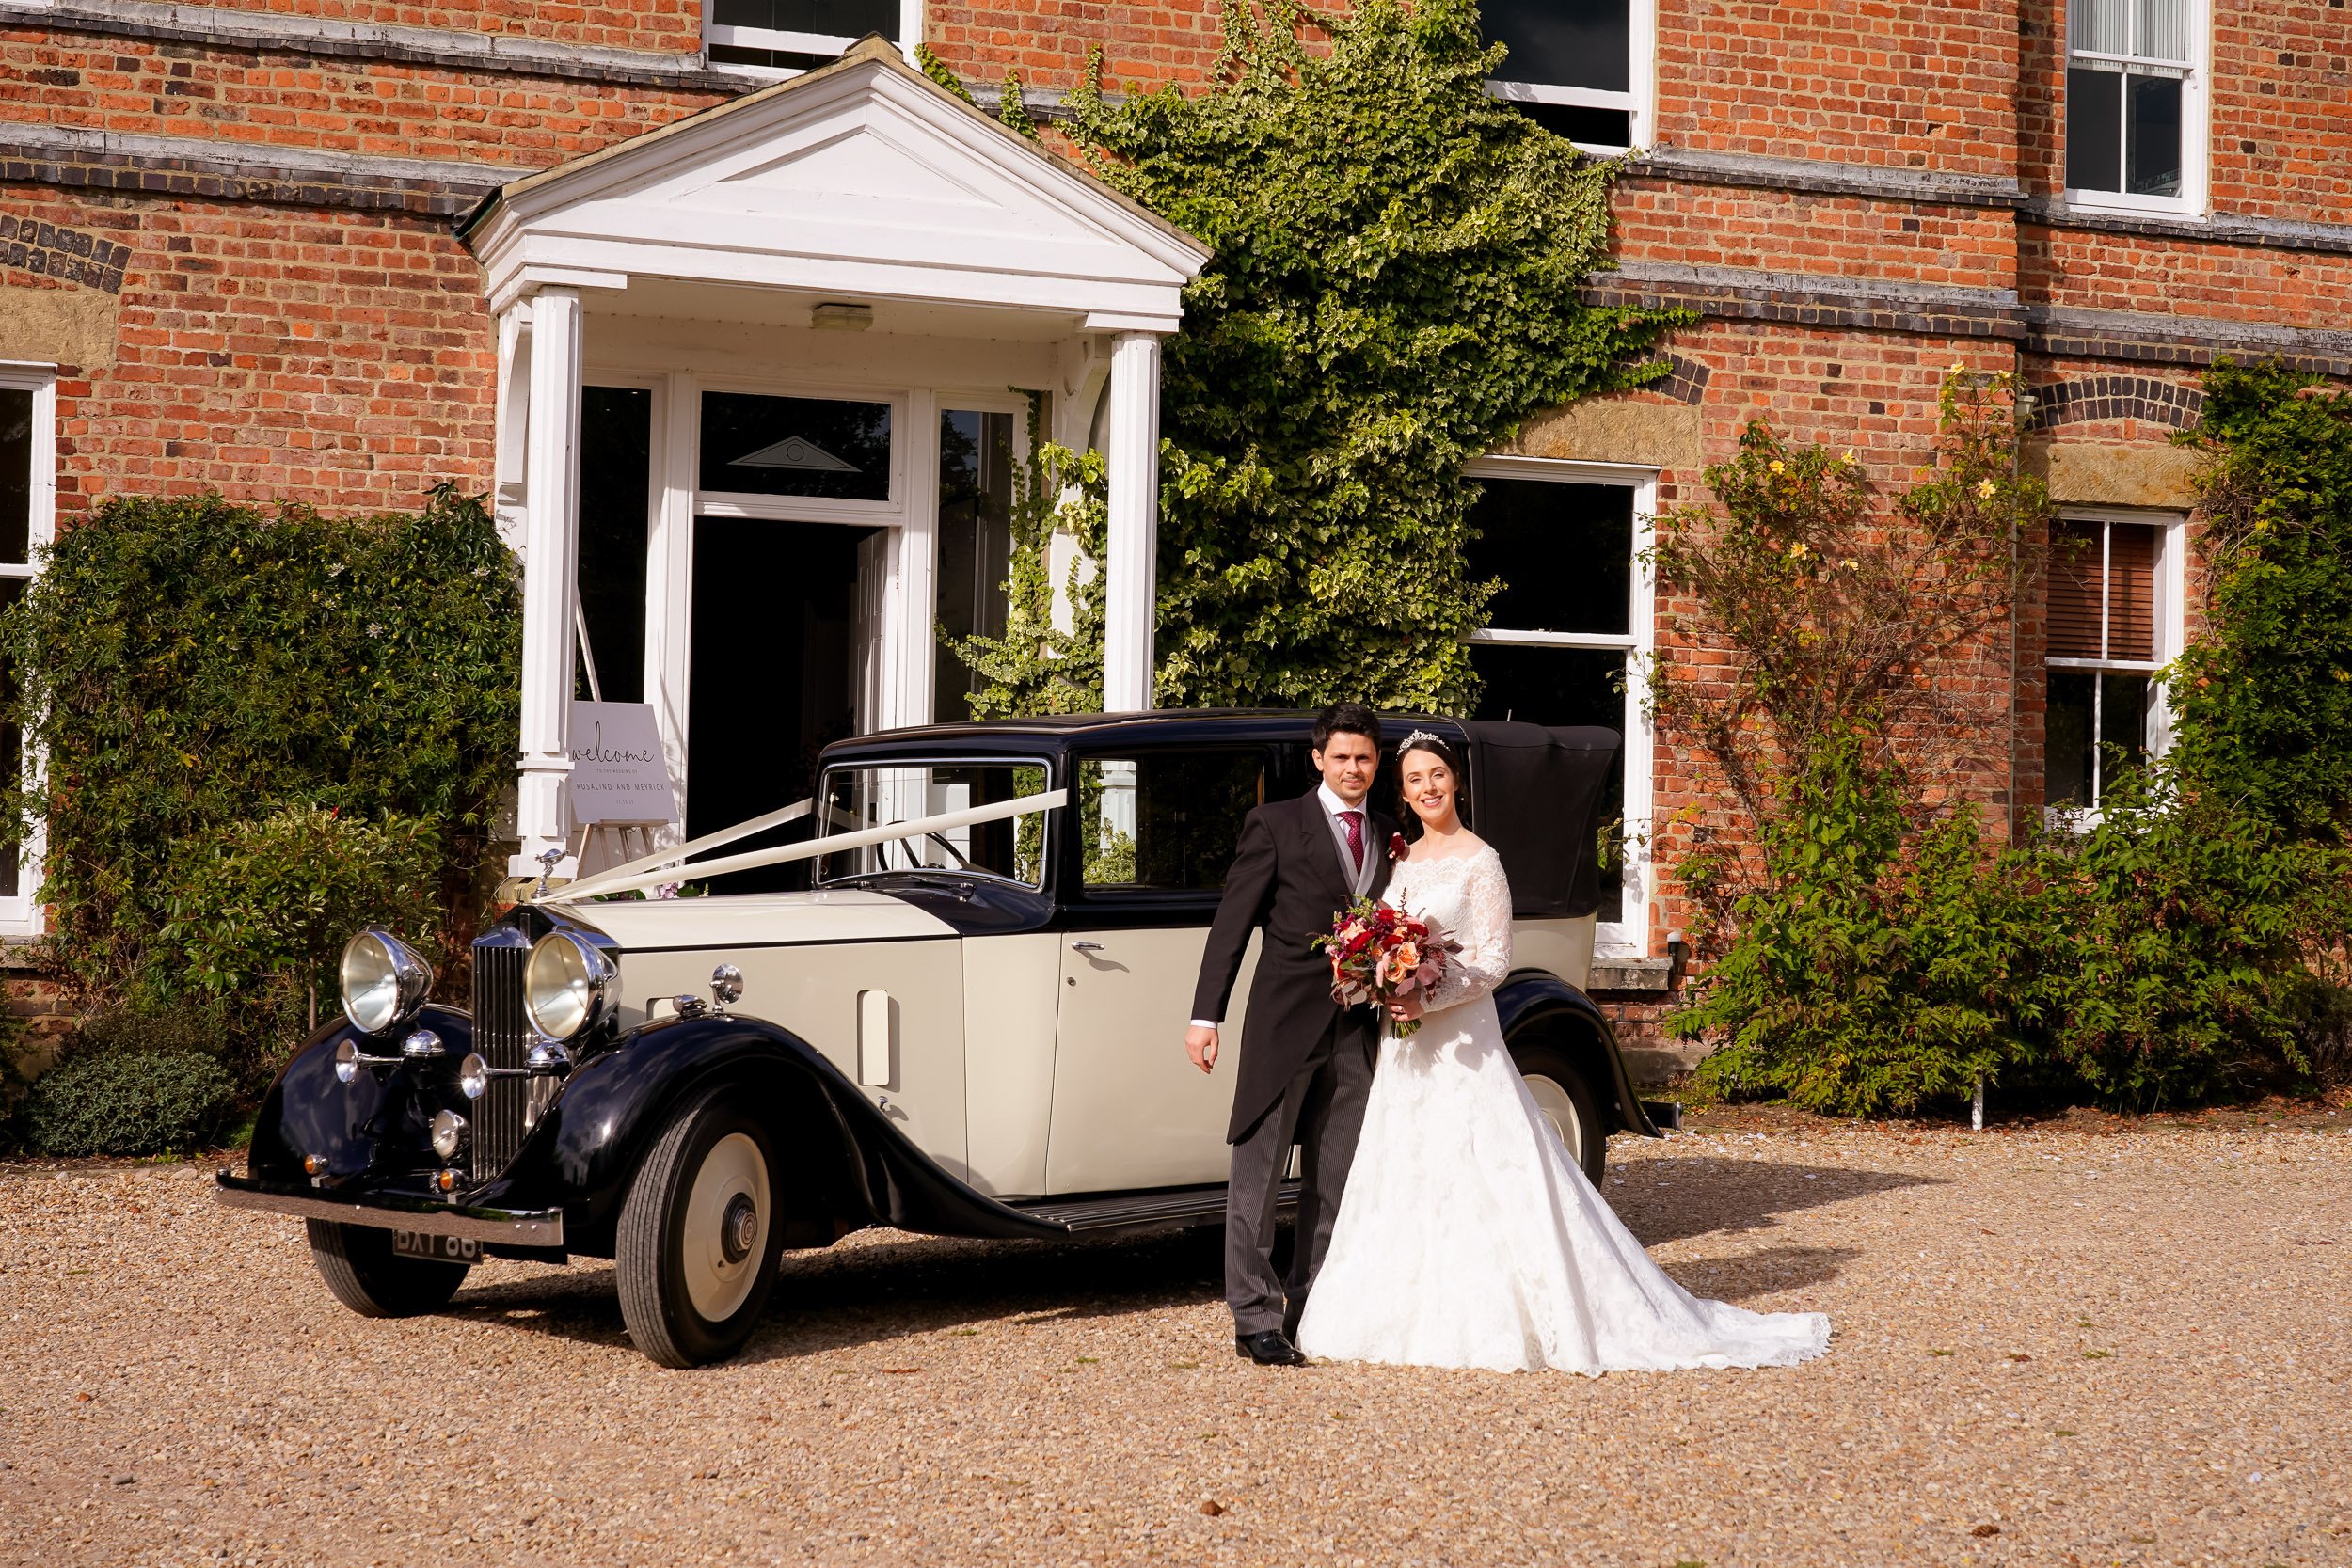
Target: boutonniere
[{"x": 1397, "y": 846}]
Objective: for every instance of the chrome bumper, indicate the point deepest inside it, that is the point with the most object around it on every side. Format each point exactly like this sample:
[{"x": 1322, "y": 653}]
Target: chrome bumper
[{"x": 532, "y": 1227}]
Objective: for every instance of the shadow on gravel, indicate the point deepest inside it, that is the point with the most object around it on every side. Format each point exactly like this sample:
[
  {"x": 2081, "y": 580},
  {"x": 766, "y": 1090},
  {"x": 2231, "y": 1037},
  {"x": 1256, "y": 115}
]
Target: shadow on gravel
[{"x": 872, "y": 1293}]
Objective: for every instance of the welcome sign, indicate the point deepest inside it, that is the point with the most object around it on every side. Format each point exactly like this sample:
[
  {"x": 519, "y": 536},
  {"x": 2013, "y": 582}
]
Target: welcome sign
[{"x": 618, "y": 773}]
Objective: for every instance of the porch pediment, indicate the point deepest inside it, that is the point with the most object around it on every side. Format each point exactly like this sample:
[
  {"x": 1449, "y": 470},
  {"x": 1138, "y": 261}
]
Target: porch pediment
[{"x": 862, "y": 180}]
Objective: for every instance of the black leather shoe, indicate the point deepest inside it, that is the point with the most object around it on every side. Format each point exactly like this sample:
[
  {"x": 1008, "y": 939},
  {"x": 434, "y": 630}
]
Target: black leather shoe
[{"x": 1271, "y": 1349}]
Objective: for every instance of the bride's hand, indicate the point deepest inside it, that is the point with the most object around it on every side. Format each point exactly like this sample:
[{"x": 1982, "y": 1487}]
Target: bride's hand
[{"x": 1407, "y": 1008}]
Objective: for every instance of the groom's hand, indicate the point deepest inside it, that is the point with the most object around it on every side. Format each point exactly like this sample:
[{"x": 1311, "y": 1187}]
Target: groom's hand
[{"x": 1201, "y": 1045}]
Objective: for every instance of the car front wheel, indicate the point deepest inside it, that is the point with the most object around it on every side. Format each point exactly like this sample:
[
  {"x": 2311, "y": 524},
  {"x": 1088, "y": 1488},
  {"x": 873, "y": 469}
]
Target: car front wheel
[
  {"x": 697, "y": 1249},
  {"x": 1567, "y": 1103},
  {"x": 365, "y": 1275}
]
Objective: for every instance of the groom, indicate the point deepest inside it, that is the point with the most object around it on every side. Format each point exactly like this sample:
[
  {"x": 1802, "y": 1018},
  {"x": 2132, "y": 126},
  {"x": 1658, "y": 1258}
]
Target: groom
[{"x": 1306, "y": 1062}]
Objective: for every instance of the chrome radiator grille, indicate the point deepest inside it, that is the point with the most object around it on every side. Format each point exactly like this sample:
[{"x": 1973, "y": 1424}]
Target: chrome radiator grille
[{"x": 502, "y": 1034}]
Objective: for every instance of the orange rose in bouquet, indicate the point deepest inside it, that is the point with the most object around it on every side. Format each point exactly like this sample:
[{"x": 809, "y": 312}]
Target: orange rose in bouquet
[{"x": 1380, "y": 955}]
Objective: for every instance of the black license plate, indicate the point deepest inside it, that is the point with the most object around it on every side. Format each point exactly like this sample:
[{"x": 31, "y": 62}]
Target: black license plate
[{"x": 441, "y": 1249}]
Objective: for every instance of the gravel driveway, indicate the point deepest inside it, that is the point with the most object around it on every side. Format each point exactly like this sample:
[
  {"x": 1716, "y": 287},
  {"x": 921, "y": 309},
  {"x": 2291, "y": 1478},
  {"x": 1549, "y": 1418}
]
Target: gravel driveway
[{"x": 2052, "y": 1347}]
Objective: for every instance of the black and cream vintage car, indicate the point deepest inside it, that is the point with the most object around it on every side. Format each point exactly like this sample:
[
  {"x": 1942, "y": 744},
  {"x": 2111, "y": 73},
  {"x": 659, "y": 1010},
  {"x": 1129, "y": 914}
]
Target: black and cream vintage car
[{"x": 947, "y": 992}]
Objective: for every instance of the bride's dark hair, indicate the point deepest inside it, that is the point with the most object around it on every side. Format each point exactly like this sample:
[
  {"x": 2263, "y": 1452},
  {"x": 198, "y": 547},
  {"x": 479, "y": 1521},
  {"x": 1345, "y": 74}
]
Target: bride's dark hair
[{"x": 1423, "y": 742}]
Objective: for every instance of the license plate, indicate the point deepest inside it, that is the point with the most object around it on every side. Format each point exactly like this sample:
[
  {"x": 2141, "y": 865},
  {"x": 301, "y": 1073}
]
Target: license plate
[{"x": 441, "y": 1249}]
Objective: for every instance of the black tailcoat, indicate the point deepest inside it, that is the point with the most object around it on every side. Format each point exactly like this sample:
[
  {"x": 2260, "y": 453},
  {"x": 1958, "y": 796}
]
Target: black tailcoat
[{"x": 1288, "y": 878}]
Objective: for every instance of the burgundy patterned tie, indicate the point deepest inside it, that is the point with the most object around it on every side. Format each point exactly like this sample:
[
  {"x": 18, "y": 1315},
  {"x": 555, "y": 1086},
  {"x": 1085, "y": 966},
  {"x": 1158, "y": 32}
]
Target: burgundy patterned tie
[{"x": 1355, "y": 820}]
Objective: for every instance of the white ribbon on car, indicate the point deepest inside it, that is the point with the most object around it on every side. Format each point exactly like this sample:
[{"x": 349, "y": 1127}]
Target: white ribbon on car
[{"x": 633, "y": 876}]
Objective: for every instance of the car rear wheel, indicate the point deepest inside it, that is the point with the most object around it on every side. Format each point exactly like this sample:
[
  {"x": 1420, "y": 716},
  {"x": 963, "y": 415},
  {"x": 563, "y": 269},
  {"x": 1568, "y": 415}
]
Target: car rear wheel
[
  {"x": 1567, "y": 1103},
  {"x": 697, "y": 1249},
  {"x": 360, "y": 1268}
]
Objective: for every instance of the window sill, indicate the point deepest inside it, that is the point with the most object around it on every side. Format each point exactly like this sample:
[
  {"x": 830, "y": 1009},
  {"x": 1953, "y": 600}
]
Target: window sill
[{"x": 2117, "y": 204}]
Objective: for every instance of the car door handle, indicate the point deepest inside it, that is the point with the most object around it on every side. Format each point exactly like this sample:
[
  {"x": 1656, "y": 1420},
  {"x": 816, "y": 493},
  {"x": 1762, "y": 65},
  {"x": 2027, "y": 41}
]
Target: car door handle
[{"x": 1085, "y": 947}]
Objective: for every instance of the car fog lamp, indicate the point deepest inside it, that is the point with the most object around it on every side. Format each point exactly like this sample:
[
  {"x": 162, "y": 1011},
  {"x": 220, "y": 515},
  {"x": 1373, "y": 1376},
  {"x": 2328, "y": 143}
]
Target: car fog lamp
[
  {"x": 473, "y": 1076},
  {"x": 568, "y": 984},
  {"x": 449, "y": 1133},
  {"x": 447, "y": 1181},
  {"x": 312, "y": 1164},
  {"x": 383, "y": 981},
  {"x": 346, "y": 1061}
]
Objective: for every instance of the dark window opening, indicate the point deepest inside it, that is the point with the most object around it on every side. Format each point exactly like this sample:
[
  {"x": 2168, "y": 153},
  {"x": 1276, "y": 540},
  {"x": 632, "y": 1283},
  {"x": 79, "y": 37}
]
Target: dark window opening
[
  {"x": 615, "y": 504},
  {"x": 825, "y": 447}
]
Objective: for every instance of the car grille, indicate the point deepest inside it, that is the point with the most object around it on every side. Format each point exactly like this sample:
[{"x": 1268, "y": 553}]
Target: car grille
[{"x": 501, "y": 1032}]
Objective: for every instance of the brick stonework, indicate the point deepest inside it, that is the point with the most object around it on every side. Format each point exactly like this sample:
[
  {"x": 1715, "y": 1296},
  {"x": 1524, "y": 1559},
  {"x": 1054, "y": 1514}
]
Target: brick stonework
[{"x": 1852, "y": 197}]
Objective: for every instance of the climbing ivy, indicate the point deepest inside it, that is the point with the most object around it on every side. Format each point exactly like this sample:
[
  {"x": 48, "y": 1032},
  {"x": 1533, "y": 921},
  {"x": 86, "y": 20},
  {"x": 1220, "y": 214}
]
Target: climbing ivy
[{"x": 1394, "y": 286}]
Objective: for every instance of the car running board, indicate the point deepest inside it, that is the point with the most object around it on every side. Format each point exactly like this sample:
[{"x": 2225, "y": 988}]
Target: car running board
[{"x": 1136, "y": 1211}]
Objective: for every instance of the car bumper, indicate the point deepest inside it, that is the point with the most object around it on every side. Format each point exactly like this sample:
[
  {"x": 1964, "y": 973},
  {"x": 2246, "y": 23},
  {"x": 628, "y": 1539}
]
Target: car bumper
[{"x": 530, "y": 1227}]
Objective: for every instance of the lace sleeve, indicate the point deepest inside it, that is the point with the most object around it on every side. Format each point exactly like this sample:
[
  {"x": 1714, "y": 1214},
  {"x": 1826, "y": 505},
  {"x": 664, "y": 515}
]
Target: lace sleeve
[{"x": 1485, "y": 933}]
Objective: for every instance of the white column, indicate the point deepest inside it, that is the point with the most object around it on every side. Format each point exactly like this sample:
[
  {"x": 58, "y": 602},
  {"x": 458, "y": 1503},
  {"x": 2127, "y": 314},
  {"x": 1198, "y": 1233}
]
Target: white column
[
  {"x": 550, "y": 570},
  {"x": 1134, "y": 461}
]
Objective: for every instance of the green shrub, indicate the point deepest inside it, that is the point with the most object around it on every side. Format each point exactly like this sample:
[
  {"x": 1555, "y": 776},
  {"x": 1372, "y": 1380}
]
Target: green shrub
[
  {"x": 127, "y": 1102},
  {"x": 187, "y": 665},
  {"x": 271, "y": 903}
]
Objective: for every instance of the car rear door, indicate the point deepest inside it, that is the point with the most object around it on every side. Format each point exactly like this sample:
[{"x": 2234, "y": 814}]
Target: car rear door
[{"x": 1154, "y": 832}]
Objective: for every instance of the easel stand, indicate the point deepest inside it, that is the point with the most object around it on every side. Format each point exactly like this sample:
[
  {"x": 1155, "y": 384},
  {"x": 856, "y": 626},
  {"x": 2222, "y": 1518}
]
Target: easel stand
[{"x": 601, "y": 846}]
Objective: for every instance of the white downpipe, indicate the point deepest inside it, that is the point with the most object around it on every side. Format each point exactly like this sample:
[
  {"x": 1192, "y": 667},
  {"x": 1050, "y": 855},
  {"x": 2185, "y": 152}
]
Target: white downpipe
[
  {"x": 550, "y": 565},
  {"x": 1133, "y": 461},
  {"x": 591, "y": 887}
]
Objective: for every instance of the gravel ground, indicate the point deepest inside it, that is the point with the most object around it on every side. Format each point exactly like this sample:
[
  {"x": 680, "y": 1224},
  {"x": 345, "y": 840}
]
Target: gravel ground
[{"x": 2053, "y": 1346}]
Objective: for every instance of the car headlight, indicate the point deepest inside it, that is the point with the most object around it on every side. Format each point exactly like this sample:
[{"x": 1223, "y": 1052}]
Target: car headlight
[
  {"x": 449, "y": 1133},
  {"x": 568, "y": 984},
  {"x": 384, "y": 980}
]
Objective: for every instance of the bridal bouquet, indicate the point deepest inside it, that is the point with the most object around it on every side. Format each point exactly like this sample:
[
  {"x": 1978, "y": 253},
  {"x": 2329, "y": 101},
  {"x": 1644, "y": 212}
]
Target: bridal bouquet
[{"x": 1379, "y": 953}]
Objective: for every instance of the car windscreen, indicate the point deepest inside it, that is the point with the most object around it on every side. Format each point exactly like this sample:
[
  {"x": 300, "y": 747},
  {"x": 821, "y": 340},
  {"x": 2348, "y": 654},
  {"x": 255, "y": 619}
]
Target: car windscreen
[{"x": 875, "y": 795}]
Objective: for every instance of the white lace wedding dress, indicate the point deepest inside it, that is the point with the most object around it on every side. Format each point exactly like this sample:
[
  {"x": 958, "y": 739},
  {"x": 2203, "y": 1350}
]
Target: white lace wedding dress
[{"x": 1468, "y": 1237}]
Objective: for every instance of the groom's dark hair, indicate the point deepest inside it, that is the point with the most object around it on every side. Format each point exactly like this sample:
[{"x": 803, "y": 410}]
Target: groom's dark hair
[{"x": 1347, "y": 719}]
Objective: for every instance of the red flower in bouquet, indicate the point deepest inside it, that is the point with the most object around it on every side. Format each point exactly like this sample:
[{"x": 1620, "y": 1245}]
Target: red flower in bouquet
[{"x": 1379, "y": 955}]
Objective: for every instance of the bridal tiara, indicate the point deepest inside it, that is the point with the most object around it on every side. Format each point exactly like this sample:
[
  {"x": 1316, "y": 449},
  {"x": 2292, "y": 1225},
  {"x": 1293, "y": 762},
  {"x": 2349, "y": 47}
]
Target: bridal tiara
[{"x": 1406, "y": 744}]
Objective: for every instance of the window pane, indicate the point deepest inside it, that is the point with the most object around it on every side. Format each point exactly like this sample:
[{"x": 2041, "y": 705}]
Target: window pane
[
  {"x": 1564, "y": 43},
  {"x": 796, "y": 447},
  {"x": 615, "y": 479},
  {"x": 2067, "y": 731},
  {"x": 1168, "y": 821},
  {"x": 1564, "y": 685},
  {"x": 2122, "y": 726},
  {"x": 2163, "y": 32},
  {"x": 16, "y": 474},
  {"x": 1598, "y": 127},
  {"x": 860, "y": 797},
  {"x": 2152, "y": 138},
  {"x": 12, "y": 746},
  {"x": 975, "y": 544},
  {"x": 2094, "y": 131},
  {"x": 1564, "y": 553},
  {"x": 2103, "y": 25},
  {"x": 2075, "y": 601},
  {"x": 848, "y": 19},
  {"x": 2131, "y": 591}
]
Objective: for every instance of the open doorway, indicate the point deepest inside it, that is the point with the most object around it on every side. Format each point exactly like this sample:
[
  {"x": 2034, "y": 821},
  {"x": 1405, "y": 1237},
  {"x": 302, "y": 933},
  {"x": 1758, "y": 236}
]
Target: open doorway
[{"x": 776, "y": 664}]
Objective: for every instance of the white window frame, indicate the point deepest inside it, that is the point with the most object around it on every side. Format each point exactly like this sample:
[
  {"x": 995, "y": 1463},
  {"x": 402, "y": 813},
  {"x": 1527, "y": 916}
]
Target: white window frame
[
  {"x": 2170, "y": 620},
  {"x": 2196, "y": 133},
  {"x": 21, "y": 915},
  {"x": 715, "y": 35},
  {"x": 1639, "y": 101},
  {"x": 810, "y": 509},
  {"x": 1629, "y": 936}
]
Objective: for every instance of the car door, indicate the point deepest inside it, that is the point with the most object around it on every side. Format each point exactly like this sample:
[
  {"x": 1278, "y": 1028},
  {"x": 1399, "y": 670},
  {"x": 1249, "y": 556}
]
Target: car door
[{"x": 1155, "y": 832}]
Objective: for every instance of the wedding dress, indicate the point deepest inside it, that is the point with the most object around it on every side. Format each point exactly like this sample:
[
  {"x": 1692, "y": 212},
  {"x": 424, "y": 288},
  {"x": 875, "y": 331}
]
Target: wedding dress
[{"x": 1468, "y": 1237}]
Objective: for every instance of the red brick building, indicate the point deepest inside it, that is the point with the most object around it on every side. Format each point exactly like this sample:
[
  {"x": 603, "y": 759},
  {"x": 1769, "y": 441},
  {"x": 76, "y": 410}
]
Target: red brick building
[{"x": 231, "y": 258}]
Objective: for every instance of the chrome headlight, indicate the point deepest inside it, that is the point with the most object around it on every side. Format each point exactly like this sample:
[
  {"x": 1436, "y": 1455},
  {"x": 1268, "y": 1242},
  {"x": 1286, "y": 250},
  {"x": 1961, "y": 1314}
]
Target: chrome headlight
[
  {"x": 568, "y": 984},
  {"x": 384, "y": 980},
  {"x": 449, "y": 1133}
]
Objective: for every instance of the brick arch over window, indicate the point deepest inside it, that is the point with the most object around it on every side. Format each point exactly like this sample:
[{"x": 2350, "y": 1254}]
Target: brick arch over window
[{"x": 2116, "y": 397}]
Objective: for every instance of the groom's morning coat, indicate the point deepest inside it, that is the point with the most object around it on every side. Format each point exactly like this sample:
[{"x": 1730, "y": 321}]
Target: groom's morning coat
[{"x": 1290, "y": 875}]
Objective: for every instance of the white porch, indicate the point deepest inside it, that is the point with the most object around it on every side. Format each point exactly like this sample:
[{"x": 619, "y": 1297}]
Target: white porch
[{"x": 803, "y": 298}]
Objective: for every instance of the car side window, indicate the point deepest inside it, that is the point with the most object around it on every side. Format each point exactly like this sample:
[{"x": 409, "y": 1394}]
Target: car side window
[{"x": 1167, "y": 820}]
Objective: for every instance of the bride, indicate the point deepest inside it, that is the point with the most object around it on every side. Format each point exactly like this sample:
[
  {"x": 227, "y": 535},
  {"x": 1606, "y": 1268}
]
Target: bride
[{"x": 1468, "y": 1237}]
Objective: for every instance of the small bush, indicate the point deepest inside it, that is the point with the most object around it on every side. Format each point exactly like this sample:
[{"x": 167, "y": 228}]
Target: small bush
[{"x": 127, "y": 1102}]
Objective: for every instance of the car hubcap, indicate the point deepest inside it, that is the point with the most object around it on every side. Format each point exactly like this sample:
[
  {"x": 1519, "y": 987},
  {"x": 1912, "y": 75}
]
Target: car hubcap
[
  {"x": 1560, "y": 1110},
  {"x": 726, "y": 1233}
]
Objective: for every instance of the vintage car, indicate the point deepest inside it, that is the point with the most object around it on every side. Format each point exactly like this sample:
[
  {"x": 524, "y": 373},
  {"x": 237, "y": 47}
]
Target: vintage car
[{"x": 968, "y": 1022}]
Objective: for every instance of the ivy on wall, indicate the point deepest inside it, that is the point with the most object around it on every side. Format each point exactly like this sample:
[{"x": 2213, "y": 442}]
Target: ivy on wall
[{"x": 1397, "y": 261}]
